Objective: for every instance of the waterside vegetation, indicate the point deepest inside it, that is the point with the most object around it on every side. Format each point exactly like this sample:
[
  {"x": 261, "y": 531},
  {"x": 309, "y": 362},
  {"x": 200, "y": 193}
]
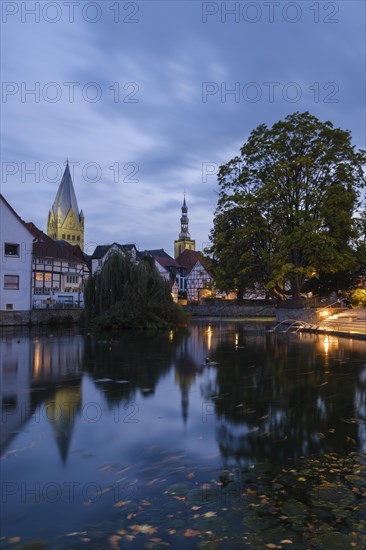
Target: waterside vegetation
[{"x": 124, "y": 295}]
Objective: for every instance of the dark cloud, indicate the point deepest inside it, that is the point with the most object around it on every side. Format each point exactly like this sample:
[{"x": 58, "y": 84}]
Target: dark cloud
[{"x": 180, "y": 91}]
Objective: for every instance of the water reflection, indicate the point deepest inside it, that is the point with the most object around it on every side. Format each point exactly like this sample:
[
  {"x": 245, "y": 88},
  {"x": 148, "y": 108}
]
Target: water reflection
[
  {"x": 79, "y": 407},
  {"x": 40, "y": 377}
]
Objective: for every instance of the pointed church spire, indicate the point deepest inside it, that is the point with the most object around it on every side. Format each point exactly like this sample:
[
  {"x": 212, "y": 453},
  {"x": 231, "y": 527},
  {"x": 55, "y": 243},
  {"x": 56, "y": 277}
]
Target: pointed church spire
[
  {"x": 65, "y": 198},
  {"x": 65, "y": 221},
  {"x": 184, "y": 239}
]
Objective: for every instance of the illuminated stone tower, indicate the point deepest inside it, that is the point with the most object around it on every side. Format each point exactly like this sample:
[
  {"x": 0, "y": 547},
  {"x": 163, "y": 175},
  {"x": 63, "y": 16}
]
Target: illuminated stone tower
[
  {"x": 65, "y": 222},
  {"x": 184, "y": 241}
]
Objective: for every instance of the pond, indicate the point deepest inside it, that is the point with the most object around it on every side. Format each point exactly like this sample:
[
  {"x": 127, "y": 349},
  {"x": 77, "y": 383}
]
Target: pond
[{"x": 223, "y": 435}]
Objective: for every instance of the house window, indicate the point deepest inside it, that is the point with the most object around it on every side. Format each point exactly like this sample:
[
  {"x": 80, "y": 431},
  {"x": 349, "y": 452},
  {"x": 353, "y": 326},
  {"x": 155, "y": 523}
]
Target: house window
[
  {"x": 48, "y": 277},
  {"x": 63, "y": 236},
  {"x": 73, "y": 237},
  {"x": 40, "y": 261},
  {"x": 11, "y": 282},
  {"x": 72, "y": 264},
  {"x": 68, "y": 237},
  {"x": 39, "y": 276},
  {"x": 9, "y": 307},
  {"x": 49, "y": 262},
  {"x": 78, "y": 238},
  {"x": 11, "y": 249}
]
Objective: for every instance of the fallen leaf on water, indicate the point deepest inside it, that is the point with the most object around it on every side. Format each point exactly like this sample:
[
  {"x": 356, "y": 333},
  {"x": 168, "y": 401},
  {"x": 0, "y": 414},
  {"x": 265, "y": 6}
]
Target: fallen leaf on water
[
  {"x": 121, "y": 532},
  {"x": 301, "y": 479},
  {"x": 121, "y": 503},
  {"x": 209, "y": 515},
  {"x": 172, "y": 531},
  {"x": 190, "y": 475},
  {"x": 286, "y": 541},
  {"x": 195, "y": 507},
  {"x": 85, "y": 539},
  {"x": 191, "y": 533},
  {"x": 271, "y": 545},
  {"x": 145, "y": 503},
  {"x": 144, "y": 529},
  {"x": 14, "y": 540},
  {"x": 152, "y": 481}
]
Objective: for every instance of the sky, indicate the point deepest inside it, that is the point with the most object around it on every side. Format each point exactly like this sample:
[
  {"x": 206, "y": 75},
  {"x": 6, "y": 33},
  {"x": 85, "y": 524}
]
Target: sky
[{"x": 146, "y": 99}]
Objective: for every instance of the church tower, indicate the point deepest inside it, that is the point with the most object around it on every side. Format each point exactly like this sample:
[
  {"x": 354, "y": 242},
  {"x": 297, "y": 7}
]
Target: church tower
[
  {"x": 184, "y": 241},
  {"x": 65, "y": 222}
]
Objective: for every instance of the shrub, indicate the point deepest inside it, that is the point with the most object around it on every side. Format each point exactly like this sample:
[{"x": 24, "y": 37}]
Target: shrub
[
  {"x": 126, "y": 295},
  {"x": 358, "y": 297}
]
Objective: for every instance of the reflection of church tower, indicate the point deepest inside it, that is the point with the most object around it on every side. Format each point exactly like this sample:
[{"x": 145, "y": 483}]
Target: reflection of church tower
[
  {"x": 184, "y": 241},
  {"x": 65, "y": 222},
  {"x": 61, "y": 412},
  {"x": 185, "y": 375}
]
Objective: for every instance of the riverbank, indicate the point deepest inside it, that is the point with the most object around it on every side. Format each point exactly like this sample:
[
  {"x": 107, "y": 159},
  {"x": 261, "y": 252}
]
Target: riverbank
[{"x": 40, "y": 317}]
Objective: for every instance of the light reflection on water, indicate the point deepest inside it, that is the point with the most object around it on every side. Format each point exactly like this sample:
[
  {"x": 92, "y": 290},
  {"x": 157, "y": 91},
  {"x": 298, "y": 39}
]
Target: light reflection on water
[{"x": 91, "y": 421}]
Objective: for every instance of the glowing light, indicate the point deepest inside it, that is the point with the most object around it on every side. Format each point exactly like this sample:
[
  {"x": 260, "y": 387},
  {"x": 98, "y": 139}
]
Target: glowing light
[
  {"x": 209, "y": 337},
  {"x": 324, "y": 313},
  {"x": 236, "y": 340}
]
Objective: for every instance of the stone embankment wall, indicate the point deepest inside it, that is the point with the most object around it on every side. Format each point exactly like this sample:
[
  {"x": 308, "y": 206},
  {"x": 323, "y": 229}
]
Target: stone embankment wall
[
  {"x": 311, "y": 315},
  {"x": 230, "y": 311},
  {"x": 40, "y": 317}
]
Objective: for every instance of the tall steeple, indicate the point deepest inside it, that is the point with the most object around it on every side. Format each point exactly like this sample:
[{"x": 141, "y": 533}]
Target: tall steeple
[
  {"x": 184, "y": 241},
  {"x": 65, "y": 222}
]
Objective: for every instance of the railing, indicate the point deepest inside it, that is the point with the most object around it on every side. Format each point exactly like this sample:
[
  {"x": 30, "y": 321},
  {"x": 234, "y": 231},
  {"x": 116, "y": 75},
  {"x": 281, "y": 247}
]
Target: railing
[
  {"x": 58, "y": 305},
  {"x": 311, "y": 303}
]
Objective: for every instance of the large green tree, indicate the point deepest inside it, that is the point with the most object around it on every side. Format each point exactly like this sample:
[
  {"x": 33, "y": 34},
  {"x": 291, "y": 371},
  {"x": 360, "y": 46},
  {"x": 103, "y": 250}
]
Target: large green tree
[{"x": 286, "y": 205}]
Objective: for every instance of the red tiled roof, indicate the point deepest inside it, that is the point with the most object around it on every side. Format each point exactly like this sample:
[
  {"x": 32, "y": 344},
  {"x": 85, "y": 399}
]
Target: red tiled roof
[
  {"x": 166, "y": 262},
  {"x": 45, "y": 247},
  {"x": 189, "y": 258}
]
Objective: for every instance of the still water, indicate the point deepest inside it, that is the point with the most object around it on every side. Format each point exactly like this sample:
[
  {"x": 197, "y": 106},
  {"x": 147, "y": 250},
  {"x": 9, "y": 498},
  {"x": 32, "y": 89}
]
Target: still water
[{"x": 136, "y": 441}]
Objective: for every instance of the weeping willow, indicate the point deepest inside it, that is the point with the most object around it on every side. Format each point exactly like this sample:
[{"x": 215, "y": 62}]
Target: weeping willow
[{"x": 127, "y": 295}]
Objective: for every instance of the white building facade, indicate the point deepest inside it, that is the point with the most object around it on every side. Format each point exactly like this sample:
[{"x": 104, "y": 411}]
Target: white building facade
[{"x": 16, "y": 261}]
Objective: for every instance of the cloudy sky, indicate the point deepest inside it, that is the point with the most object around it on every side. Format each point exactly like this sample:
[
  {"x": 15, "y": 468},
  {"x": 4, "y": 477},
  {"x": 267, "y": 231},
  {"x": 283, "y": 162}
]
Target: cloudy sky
[{"x": 147, "y": 98}]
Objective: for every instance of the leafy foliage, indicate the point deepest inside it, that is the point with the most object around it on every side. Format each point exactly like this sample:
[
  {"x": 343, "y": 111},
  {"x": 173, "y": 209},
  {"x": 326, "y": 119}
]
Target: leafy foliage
[
  {"x": 286, "y": 206},
  {"x": 358, "y": 297},
  {"x": 125, "y": 295}
]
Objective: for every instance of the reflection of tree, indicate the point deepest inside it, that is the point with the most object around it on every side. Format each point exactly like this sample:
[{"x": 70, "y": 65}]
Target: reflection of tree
[
  {"x": 139, "y": 357},
  {"x": 285, "y": 396},
  {"x": 192, "y": 352}
]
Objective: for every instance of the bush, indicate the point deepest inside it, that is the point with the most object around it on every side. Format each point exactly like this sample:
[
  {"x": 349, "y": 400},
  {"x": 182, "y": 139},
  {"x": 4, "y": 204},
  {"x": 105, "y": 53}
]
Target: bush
[
  {"x": 358, "y": 297},
  {"x": 125, "y": 295}
]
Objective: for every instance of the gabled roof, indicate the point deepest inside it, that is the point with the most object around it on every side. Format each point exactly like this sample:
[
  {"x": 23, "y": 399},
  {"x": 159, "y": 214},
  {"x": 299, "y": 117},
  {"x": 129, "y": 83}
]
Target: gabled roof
[
  {"x": 189, "y": 258},
  {"x": 102, "y": 249},
  {"x": 45, "y": 247},
  {"x": 161, "y": 257},
  {"x": 15, "y": 214},
  {"x": 65, "y": 198}
]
